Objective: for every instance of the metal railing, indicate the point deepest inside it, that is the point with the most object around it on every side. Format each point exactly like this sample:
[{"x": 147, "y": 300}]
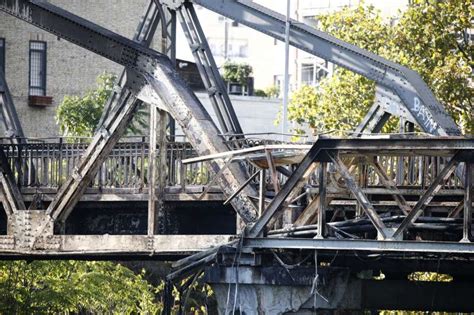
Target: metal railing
[{"x": 46, "y": 163}]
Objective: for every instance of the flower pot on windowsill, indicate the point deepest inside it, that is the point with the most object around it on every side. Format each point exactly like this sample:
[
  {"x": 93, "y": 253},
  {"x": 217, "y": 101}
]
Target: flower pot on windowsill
[{"x": 40, "y": 101}]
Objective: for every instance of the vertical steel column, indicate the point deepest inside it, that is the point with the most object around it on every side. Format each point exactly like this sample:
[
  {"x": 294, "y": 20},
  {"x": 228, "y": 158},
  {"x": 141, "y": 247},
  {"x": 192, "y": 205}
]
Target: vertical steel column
[
  {"x": 261, "y": 192},
  {"x": 400, "y": 162},
  {"x": 162, "y": 167},
  {"x": 468, "y": 190},
  {"x": 362, "y": 183},
  {"x": 152, "y": 170},
  {"x": 157, "y": 169},
  {"x": 322, "y": 200},
  {"x": 168, "y": 47}
]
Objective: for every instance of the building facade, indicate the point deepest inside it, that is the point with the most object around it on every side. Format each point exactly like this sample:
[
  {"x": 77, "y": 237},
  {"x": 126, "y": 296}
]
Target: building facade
[
  {"x": 231, "y": 41},
  {"x": 41, "y": 68}
]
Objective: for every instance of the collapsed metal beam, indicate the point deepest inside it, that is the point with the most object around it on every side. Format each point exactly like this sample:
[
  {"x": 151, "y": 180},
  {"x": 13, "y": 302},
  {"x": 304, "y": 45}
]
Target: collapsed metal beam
[
  {"x": 418, "y": 99},
  {"x": 359, "y": 245},
  {"x": 278, "y": 202}
]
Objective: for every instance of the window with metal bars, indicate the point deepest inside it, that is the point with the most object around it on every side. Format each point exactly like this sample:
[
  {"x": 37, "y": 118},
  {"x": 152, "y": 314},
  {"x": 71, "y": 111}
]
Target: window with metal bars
[
  {"x": 2, "y": 55},
  {"x": 37, "y": 82}
]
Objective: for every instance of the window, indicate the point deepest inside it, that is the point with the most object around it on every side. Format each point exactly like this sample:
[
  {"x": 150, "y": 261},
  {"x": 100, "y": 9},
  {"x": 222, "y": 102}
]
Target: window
[
  {"x": 312, "y": 73},
  {"x": 37, "y": 68},
  {"x": 307, "y": 74},
  {"x": 278, "y": 82},
  {"x": 2, "y": 55}
]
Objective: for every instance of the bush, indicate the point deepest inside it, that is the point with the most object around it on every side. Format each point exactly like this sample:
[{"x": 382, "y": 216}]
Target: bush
[
  {"x": 260, "y": 93},
  {"x": 237, "y": 72}
]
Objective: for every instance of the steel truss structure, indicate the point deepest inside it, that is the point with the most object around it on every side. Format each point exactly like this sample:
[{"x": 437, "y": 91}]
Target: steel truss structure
[
  {"x": 150, "y": 77},
  {"x": 342, "y": 202},
  {"x": 393, "y": 198}
]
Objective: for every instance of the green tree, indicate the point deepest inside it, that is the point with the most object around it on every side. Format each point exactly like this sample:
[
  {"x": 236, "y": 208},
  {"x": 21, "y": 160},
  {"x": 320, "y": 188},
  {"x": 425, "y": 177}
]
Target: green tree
[
  {"x": 47, "y": 287},
  {"x": 78, "y": 116},
  {"x": 429, "y": 37}
]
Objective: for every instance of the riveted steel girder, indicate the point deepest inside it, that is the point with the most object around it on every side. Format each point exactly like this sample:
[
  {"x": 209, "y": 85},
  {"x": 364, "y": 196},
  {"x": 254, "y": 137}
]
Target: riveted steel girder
[
  {"x": 143, "y": 35},
  {"x": 149, "y": 71},
  {"x": 418, "y": 99},
  {"x": 10, "y": 117},
  {"x": 208, "y": 69}
]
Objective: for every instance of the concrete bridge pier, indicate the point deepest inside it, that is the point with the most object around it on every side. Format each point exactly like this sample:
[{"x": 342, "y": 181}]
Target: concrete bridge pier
[{"x": 295, "y": 290}]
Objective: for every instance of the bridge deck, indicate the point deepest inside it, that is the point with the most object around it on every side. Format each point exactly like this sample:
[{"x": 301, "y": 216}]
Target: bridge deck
[{"x": 384, "y": 179}]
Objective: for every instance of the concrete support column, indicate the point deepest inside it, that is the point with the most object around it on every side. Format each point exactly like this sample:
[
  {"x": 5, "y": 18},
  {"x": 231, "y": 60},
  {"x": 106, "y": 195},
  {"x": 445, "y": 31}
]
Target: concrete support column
[{"x": 276, "y": 290}]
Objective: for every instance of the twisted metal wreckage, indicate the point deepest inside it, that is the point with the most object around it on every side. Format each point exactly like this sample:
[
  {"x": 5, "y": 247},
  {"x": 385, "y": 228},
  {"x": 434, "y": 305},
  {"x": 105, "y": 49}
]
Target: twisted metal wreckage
[{"x": 313, "y": 218}]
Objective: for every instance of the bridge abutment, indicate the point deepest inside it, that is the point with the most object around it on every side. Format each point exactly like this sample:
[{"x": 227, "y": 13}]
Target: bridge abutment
[{"x": 296, "y": 290}]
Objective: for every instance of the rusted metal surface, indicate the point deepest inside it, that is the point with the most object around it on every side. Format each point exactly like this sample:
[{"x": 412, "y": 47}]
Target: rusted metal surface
[{"x": 306, "y": 188}]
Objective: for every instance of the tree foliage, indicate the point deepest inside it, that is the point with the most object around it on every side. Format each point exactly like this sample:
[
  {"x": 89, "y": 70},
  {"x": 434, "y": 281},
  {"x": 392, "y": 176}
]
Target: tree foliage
[
  {"x": 91, "y": 287},
  {"x": 78, "y": 116},
  {"x": 429, "y": 37},
  {"x": 47, "y": 287}
]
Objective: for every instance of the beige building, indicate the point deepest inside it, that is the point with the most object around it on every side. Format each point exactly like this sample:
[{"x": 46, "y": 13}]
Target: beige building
[
  {"x": 41, "y": 65},
  {"x": 38, "y": 63}
]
